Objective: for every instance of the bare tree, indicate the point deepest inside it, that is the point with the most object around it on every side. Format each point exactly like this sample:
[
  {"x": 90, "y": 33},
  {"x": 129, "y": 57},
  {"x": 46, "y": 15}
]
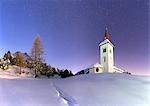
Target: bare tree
[
  {"x": 20, "y": 60},
  {"x": 37, "y": 49},
  {"x": 37, "y": 53}
]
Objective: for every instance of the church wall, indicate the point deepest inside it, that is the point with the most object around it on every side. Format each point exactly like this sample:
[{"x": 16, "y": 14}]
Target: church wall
[
  {"x": 94, "y": 70},
  {"x": 104, "y": 57},
  {"x": 108, "y": 62},
  {"x": 110, "y": 58},
  {"x": 98, "y": 69}
]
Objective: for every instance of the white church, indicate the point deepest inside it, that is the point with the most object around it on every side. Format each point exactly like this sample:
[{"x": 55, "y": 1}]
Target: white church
[{"x": 106, "y": 49}]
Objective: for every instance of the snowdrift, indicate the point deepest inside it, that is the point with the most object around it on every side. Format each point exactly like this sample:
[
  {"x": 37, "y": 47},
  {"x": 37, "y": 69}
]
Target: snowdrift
[
  {"x": 106, "y": 90},
  {"x": 28, "y": 92},
  {"x": 82, "y": 90},
  {"x": 12, "y": 73}
]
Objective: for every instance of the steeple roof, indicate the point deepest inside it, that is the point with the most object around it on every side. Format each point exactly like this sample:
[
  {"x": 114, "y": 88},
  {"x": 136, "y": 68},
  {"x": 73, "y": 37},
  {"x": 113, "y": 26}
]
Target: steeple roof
[
  {"x": 106, "y": 39},
  {"x": 106, "y": 34}
]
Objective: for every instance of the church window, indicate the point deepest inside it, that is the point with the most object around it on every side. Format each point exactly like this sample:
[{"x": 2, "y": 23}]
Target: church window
[
  {"x": 104, "y": 50},
  {"x": 110, "y": 50},
  {"x": 97, "y": 69},
  {"x": 104, "y": 59}
]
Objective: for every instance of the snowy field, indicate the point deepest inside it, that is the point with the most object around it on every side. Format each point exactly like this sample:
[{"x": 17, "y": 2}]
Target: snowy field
[
  {"x": 83, "y": 90},
  {"x": 28, "y": 92},
  {"x": 12, "y": 73}
]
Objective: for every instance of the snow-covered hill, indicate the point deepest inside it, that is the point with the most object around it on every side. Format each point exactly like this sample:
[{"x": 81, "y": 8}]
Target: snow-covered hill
[
  {"x": 13, "y": 72},
  {"x": 28, "y": 92},
  {"x": 106, "y": 89},
  {"x": 83, "y": 90}
]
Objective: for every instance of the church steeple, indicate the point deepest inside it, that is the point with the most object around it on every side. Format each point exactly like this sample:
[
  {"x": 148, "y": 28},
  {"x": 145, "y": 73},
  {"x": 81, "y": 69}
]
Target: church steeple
[
  {"x": 106, "y": 53},
  {"x": 106, "y": 34}
]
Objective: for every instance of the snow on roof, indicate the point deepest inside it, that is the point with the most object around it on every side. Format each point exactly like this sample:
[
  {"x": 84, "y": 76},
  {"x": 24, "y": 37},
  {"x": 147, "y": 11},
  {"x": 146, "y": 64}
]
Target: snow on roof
[
  {"x": 95, "y": 65},
  {"x": 106, "y": 41}
]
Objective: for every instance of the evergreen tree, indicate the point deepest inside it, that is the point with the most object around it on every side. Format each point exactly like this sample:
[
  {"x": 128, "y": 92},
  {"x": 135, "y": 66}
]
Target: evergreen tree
[
  {"x": 65, "y": 73},
  {"x": 29, "y": 64},
  {"x": 8, "y": 56},
  {"x": 70, "y": 73},
  {"x": 49, "y": 71}
]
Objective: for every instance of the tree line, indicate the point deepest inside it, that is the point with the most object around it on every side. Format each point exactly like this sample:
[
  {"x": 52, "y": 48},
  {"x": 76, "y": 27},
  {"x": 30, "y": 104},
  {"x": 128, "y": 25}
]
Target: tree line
[{"x": 34, "y": 61}]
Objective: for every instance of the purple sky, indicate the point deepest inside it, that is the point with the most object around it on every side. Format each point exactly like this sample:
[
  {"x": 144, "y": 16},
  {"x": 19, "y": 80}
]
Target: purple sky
[{"x": 72, "y": 29}]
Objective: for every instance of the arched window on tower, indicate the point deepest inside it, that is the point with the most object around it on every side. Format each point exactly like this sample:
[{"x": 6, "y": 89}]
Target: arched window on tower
[
  {"x": 104, "y": 59},
  {"x": 104, "y": 50}
]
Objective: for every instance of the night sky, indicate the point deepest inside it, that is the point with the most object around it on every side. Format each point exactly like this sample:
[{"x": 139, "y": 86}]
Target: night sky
[{"x": 72, "y": 29}]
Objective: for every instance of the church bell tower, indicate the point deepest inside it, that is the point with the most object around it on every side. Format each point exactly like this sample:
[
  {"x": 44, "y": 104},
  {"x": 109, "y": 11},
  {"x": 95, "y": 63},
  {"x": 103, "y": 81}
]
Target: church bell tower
[{"x": 106, "y": 53}]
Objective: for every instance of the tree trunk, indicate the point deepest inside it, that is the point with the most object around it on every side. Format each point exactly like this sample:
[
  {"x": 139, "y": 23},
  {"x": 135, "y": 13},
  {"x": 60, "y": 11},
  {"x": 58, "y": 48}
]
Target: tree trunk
[
  {"x": 20, "y": 70},
  {"x": 35, "y": 72}
]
